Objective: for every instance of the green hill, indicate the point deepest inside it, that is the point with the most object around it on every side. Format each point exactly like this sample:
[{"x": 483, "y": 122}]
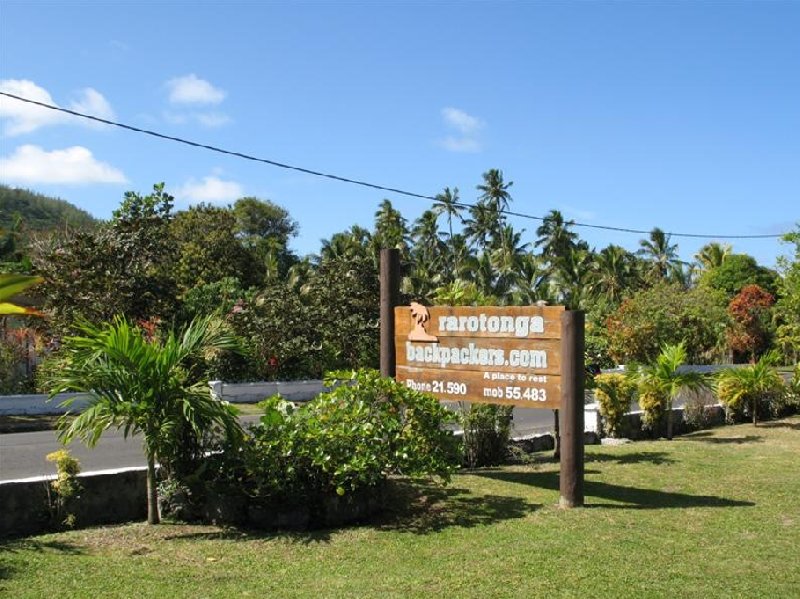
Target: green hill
[{"x": 39, "y": 212}]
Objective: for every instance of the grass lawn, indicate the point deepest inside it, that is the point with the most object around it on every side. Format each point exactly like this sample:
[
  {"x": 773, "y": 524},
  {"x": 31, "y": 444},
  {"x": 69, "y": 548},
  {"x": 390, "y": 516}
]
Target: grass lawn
[{"x": 714, "y": 514}]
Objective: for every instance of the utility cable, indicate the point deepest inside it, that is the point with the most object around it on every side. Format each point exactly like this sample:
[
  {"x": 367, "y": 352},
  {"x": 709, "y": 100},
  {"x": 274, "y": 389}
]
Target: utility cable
[{"x": 356, "y": 181}]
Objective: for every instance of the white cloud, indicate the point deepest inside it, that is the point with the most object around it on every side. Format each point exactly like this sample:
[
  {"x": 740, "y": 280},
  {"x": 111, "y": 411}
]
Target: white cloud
[
  {"x": 464, "y": 123},
  {"x": 71, "y": 166},
  {"x": 466, "y": 127},
  {"x": 92, "y": 102},
  {"x": 21, "y": 117},
  {"x": 210, "y": 189},
  {"x": 209, "y": 120},
  {"x": 190, "y": 89},
  {"x": 212, "y": 119}
]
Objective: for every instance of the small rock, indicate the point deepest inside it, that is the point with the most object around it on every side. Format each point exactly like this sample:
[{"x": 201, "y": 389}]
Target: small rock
[{"x": 613, "y": 441}]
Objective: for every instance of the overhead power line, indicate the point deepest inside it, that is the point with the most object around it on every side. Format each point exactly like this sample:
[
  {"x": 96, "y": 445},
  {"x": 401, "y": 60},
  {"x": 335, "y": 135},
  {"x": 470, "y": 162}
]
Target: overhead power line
[{"x": 355, "y": 181}]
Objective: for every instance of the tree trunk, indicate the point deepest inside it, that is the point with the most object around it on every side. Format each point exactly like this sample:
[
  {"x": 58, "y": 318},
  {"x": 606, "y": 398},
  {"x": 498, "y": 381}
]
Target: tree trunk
[
  {"x": 152, "y": 491},
  {"x": 755, "y": 415},
  {"x": 556, "y": 436}
]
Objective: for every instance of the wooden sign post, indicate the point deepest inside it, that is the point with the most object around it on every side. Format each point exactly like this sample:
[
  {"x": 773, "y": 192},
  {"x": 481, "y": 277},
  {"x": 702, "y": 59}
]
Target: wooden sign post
[{"x": 526, "y": 356}]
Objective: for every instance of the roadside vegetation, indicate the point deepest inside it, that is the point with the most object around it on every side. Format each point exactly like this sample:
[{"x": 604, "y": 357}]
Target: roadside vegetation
[
  {"x": 142, "y": 310},
  {"x": 711, "y": 514}
]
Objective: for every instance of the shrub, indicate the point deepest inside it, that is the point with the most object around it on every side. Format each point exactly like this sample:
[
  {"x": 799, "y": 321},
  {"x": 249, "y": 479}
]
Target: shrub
[
  {"x": 752, "y": 388},
  {"x": 652, "y": 402},
  {"x": 347, "y": 441},
  {"x": 65, "y": 490},
  {"x": 487, "y": 429},
  {"x": 614, "y": 392}
]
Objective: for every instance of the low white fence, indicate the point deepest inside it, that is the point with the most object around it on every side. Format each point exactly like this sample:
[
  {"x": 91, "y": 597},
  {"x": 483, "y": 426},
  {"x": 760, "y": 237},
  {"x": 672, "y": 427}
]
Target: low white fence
[
  {"x": 255, "y": 392},
  {"x": 15, "y": 405}
]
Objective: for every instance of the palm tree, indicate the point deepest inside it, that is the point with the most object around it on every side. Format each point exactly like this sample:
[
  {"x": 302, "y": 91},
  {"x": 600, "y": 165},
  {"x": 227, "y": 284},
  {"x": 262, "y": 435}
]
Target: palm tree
[
  {"x": 461, "y": 257},
  {"x": 481, "y": 226},
  {"x": 751, "y": 384},
  {"x": 506, "y": 258},
  {"x": 346, "y": 244},
  {"x": 614, "y": 273},
  {"x": 712, "y": 255},
  {"x": 144, "y": 385},
  {"x": 662, "y": 257},
  {"x": 391, "y": 230},
  {"x": 425, "y": 237},
  {"x": 572, "y": 277},
  {"x": 666, "y": 379},
  {"x": 494, "y": 191},
  {"x": 531, "y": 282},
  {"x": 448, "y": 203},
  {"x": 555, "y": 237}
]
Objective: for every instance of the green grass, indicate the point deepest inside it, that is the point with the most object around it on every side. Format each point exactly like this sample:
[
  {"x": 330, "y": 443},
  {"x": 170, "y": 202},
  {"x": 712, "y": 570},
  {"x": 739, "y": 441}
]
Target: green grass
[{"x": 714, "y": 514}]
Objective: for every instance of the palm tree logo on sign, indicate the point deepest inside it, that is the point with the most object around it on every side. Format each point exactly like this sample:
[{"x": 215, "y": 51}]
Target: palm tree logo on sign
[{"x": 421, "y": 316}]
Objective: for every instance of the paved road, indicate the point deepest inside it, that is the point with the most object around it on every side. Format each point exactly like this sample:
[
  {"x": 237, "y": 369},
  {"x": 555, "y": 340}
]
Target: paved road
[{"x": 22, "y": 455}]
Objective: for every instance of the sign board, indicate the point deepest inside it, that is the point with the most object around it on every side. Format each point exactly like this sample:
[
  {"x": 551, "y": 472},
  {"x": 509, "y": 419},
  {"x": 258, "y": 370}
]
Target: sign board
[{"x": 485, "y": 354}]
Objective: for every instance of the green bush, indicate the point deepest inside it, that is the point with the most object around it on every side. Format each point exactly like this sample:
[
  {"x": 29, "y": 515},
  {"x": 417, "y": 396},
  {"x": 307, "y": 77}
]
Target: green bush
[
  {"x": 653, "y": 404},
  {"x": 487, "y": 429},
  {"x": 343, "y": 442},
  {"x": 65, "y": 490},
  {"x": 614, "y": 392}
]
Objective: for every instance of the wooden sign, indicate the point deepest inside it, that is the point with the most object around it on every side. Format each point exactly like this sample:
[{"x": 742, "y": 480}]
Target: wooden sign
[{"x": 487, "y": 354}]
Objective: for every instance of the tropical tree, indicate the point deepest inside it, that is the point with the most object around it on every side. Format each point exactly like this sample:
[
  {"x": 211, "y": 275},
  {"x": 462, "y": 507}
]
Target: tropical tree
[
  {"x": 125, "y": 267},
  {"x": 447, "y": 203},
  {"x": 391, "y": 230},
  {"x": 668, "y": 314},
  {"x": 660, "y": 254},
  {"x": 787, "y": 308},
  {"x": 356, "y": 242},
  {"x": 507, "y": 256},
  {"x": 554, "y": 237},
  {"x": 738, "y": 271},
  {"x": 146, "y": 385},
  {"x": 666, "y": 379},
  {"x": 751, "y": 328},
  {"x": 572, "y": 276},
  {"x": 712, "y": 255},
  {"x": 494, "y": 192},
  {"x": 614, "y": 274},
  {"x": 737, "y": 387},
  {"x": 481, "y": 226},
  {"x": 531, "y": 281}
]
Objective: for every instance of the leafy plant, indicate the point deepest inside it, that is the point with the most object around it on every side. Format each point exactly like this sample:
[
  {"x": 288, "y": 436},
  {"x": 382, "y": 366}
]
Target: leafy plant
[
  {"x": 662, "y": 381},
  {"x": 614, "y": 392},
  {"x": 343, "y": 442},
  {"x": 487, "y": 430},
  {"x": 65, "y": 489},
  {"x": 144, "y": 385},
  {"x": 11, "y": 285},
  {"x": 750, "y": 386}
]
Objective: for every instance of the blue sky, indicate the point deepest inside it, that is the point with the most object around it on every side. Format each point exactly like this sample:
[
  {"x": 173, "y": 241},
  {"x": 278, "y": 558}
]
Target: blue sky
[{"x": 683, "y": 115}]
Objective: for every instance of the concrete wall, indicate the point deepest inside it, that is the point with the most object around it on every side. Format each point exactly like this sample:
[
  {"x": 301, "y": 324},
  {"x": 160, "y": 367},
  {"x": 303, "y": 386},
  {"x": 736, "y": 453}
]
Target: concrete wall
[
  {"x": 39, "y": 404},
  {"x": 255, "y": 392},
  {"x": 108, "y": 497},
  {"x": 232, "y": 392}
]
